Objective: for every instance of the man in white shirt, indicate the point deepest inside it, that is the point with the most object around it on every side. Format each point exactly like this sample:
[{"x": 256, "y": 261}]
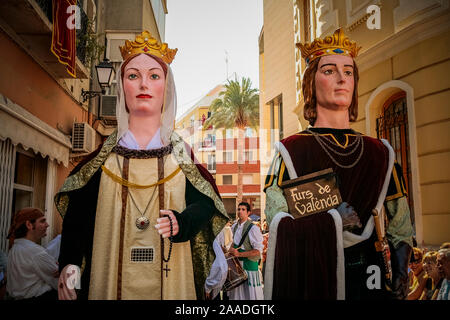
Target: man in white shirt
[
  {"x": 248, "y": 247},
  {"x": 32, "y": 271}
]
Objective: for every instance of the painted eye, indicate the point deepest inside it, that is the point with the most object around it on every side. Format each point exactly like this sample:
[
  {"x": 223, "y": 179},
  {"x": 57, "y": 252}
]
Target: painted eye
[
  {"x": 328, "y": 71},
  {"x": 155, "y": 76},
  {"x": 132, "y": 76},
  {"x": 349, "y": 73}
]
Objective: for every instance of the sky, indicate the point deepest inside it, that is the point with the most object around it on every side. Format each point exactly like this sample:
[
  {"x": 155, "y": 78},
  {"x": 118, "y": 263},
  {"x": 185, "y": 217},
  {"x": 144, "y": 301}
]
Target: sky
[{"x": 203, "y": 31}]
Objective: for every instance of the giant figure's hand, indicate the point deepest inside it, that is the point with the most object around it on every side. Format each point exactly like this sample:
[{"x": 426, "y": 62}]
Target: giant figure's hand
[
  {"x": 163, "y": 225},
  {"x": 350, "y": 219},
  {"x": 67, "y": 282}
]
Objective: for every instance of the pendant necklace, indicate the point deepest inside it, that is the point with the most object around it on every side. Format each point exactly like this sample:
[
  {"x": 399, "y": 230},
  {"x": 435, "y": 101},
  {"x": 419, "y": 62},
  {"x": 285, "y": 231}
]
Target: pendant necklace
[{"x": 141, "y": 222}]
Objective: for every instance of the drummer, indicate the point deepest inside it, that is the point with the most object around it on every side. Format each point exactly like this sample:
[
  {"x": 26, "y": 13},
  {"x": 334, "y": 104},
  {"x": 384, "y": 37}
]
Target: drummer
[{"x": 247, "y": 246}]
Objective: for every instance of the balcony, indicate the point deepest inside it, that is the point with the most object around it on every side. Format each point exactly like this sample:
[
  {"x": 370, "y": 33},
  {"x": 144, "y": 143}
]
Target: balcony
[
  {"x": 208, "y": 145},
  {"x": 29, "y": 23}
]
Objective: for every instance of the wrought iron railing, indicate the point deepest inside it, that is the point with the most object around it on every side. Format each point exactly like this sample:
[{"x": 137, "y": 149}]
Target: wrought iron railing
[
  {"x": 81, "y": 45},
  {"x": 46, "y": 6},
  {"x": 393, "y": 126}
]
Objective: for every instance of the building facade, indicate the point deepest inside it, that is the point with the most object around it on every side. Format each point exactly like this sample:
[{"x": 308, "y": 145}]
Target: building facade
[
  {"x": 216, "y": 150},
  {"x": 403, "y": 89},
  {"x": 41, "y": 106}
]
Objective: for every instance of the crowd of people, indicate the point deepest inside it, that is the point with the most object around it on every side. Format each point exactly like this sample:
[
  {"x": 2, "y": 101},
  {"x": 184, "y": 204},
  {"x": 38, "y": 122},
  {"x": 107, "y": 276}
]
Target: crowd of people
[
  {"x": 429, "y": 274},
  {"x": 30, "y": 271}
]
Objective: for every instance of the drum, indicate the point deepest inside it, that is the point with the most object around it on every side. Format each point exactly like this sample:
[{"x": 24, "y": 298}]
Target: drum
[{"x": 236, "y": 274}]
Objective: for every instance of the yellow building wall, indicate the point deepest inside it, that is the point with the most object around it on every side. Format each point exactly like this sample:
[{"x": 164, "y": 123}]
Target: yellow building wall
[
  {"x": 424, "y": 67},
  {"x": 279, "y": 59}
]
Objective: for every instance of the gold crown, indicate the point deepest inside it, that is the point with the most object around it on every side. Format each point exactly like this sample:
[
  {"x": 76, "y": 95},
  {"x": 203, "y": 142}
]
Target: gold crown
[
  {"x": 145, "y": 43},
  {"x": 337, "y": 44}
]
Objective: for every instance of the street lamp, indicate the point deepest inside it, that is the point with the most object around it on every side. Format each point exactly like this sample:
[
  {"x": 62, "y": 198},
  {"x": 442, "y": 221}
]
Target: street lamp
[{"x": 105, "y": 75}]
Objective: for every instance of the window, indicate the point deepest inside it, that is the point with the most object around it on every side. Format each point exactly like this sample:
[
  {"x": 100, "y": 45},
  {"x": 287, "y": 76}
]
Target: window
[
  {"x": 227, "y": 179},
  {"x": 30, "y": 175},
  {"x": 229, "y": 133},
  {"x": 276, "y": 120},
  {"x": 23, "y": 182},
  {"x": 393, "y": 126},
  {"x": 280, "y": 118},
  {"x": 247, "y": 179},
  {"x": 212, "y": 162},
  {"x": 210, "y": 141},
  {"x": 227, "y": 157},
  {"x": 248, "y": 156}
]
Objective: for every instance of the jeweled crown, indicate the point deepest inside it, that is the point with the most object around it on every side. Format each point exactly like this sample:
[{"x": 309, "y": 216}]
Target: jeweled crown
[
  {"x": 145, "y": 43},
  {"x": 337, "y": 44}
]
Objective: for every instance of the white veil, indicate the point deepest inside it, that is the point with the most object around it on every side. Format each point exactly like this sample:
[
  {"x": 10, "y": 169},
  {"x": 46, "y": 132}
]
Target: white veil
[{"x": 168, "y": 113}]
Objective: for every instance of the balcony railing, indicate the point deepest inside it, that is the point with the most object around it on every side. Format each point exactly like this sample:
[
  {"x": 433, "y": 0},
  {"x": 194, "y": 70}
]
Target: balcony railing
[
  {"x": 208, "y": 144},
  {"x": 46, "y": 6},
  {"x": 81, "y": 41}
]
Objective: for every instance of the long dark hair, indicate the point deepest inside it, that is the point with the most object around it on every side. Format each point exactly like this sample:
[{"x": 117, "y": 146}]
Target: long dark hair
[{"x": 309, "y": 94}]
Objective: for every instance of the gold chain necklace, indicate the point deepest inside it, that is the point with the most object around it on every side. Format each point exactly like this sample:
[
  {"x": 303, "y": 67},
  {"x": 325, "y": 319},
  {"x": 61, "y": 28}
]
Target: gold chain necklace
[{"x": 358, "y": 141}]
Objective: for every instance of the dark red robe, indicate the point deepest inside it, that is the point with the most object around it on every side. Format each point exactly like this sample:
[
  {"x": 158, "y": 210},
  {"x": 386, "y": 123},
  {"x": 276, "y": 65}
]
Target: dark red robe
[{"x": 305, "y": 257}]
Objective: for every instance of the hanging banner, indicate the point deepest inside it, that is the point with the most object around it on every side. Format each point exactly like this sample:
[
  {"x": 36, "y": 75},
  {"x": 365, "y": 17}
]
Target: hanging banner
[{"x": 64, "y": 33}]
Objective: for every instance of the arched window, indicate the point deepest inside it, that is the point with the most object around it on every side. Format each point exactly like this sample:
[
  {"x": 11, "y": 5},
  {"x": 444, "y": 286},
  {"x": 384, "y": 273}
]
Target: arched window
[{"x": 392, "y": 125}]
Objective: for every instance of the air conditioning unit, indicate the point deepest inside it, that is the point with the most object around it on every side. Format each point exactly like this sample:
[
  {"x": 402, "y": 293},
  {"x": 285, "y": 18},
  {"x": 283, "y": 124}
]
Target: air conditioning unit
[
  {"x": 83, "y": 137},
  {"x": 108, "y": 107}
]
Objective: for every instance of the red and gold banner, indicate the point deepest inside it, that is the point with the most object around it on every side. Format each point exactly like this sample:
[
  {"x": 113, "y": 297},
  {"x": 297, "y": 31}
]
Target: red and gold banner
[{"x": 64, "y": 34}]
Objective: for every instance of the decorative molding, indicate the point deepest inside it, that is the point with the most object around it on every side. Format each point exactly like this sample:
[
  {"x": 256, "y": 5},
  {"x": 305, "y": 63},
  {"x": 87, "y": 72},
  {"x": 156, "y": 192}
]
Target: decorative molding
[
  {"x": 327, "y": 20},
  {"x": 403, "y": 40},
  {"x": 362, "y": 17},
  {"x": 357, "y": 15},
  {"x": 411, "y": 11},
  {"x": 298, "y": 59}
]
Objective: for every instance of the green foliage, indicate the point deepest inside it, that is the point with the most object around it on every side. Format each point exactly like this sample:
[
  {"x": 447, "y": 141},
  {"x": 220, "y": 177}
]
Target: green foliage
[
  {"x": 89, "y": 41},
  {"x": 237, "y": 106}
]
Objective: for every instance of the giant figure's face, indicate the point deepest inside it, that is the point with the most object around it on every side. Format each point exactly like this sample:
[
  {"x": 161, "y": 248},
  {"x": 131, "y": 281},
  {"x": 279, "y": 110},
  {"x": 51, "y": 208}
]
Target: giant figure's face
[
  {"x": 334, "y": 82},
  {"x": 144, "y": 83}
]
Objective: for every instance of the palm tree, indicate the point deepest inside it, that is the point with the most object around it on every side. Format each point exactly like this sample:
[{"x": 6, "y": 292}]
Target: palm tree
[{"x": 236, "y": 107}]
